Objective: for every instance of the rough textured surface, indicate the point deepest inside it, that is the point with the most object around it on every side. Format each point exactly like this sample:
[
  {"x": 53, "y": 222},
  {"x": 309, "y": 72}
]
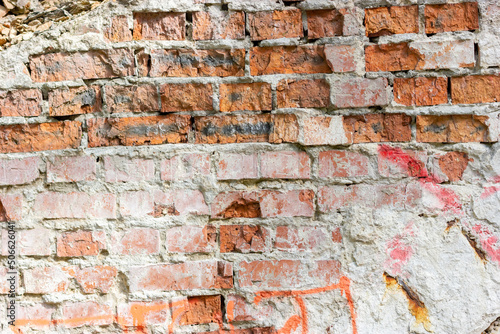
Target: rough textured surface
[{"x": 391, "y": 20}]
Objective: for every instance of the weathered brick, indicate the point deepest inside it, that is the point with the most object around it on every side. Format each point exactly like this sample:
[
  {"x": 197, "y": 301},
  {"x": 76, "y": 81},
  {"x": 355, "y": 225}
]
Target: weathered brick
[
  {"x": 197, "y": 63},
  {"x": 86, "y": 314},
  {"x": 288, "y": 59},
  {"x": 75, "y": 101},
  {"x": 419, "y": 56},
  {"x": 136, "y": 241},
  {"x": 203, "y": 310},
  {"x": 245, "y": 96},
  {"x": 40, "y": 137},
  {"x": 25, "y": 103},
  {"x": 137, "y": 203},
  {"x": 124, "y": 169},
  {"x": 342, "y": 164},
  {"x": 453, "y": 164},
  {"x": 421, "y": 91},
  {"x": 71, "y": 169},
  {"x": 75, "y": 205},
  {"x": 377, "y": 128},
  {"x": 131, "y": 131},
  {"x": 303, "y": 93},
  {"x": 304, "y": 238},
  {"x": 80, "y": 243},
  {"x": 42, "y": 280},
  {"x": 323, "y": 130},
  {"x": 236, "y": 204},
  {"x": 186, "y": 166},
  {"x": 191, "y": 275},
  {"x": 276, "y": 24},
  {"x": 391, "y": 20},
  {"x": 240, "y": 309},
  {"x": 218, "y": 25},
  {"x": 190, "y": 202},
  {"x": 292, "y": 203},
  {"x": 475, "y": 89},
  {"x": 12, "y": 205},
  {"x": 232, "y": 166},
  {"x": 324, "y": 23},
  {"x": 141, "y": 98},
  {"x": 360, "y": 92},
  {"x": 256, "y": 330},
  {"x": 246, "y": 129},
  {"x": 33, "y": 242},
  {"x": 160, "y": 26},
  {"x": 186, "y": 97},
  {"x": 94, "y": 279},
  {"x": 191, "y": 239},
  {"x": 244, "y": 239},
  {"x": 452, "y": 128},
  {"x": 395, "y": 162},
  {"x": 38, "y": 316},
  {"x": 341, "y": 58},
  {"x": 85, "y": 65},
  {"x": 288, "y": 273},
  {"x": 118, "y": 31},
  {"x": 285, "y": 165},
  {"x": 19, "y": 171},
  {"x": 142, "y": 314},
  {"x": 5, "y": 286},
  {"x": 451, "y": 17}
]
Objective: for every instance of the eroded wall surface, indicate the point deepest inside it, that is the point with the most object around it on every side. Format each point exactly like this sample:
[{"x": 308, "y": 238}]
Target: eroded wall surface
[{"x": 242, "y": 166}]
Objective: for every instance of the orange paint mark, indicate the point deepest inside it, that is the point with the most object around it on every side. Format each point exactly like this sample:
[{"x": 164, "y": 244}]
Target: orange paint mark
[
  {"x": 291, "y": 325},
  {"x": 303, "y": 312},
  {"x": 179, "y": 308},
  {"x": 84, "y": 320},
  {"x": 230, "y": 315}
]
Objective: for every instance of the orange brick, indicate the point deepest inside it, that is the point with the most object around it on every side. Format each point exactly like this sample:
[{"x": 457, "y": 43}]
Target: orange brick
[
  {"x": 40, "y": 137},
  {"x": 276, "y": 24},
  {"x": 94, "y": 279},
  {"x": 324, "y": 23},
  {"x": 245, "y": 96},
  {"x": 243, "y": 239},
  {"x": 142, "y": 314},
  {"x": 241, "y": 204},
  {"x": 377, "y": 128},
  {"x": 451, "y": 17},
  {"x": 160, "y": 26},
  {"x": 391, "y": 20},
  {"x": 80, "y": 243},
  {"x": 475, "y": 89},
  {"x": 26, "y": 102},
  {"x": 421, "y": 91},
  {"x": 452, "y": 129},
  {"x": 75, "y": 101},
  {"x": 148, "y": 130},
  {"x": 118, "y": 30},
  {"x": 285, "y": 165},
  {"x": 186, "y": 97},
  {"x": 86, "y": 314},
  {"x": 218, "y": 25},
  {"x": 142, "y": 98},
  {"x": 203, "y": 310},
  {"x": 191, "y": 239},
  {"x": 303, "y": 93},
  {"x": 342, "y": 164}
]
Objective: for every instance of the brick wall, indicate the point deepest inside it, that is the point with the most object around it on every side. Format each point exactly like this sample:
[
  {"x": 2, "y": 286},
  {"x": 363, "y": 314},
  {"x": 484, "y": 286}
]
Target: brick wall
[{"x": 255, "y": 167}]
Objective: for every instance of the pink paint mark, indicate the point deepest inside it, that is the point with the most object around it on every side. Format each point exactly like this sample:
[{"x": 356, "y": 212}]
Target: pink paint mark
[
  {"x": 447, "y": 199},
  {"x": 411, "y": 165},
  {"x": 399, "y": 250},
  {"x": 488, "y": 191},
  {"x": 489, "y": 242}
]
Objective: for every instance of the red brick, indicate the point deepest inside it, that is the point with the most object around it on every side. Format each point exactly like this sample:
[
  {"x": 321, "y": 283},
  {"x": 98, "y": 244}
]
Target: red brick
[
  {"x": 203, "y": 310},
  {"x": 160, "y": 26},
  {"x": 40, "y": 137},
  {"x": 11, "y": 207},
  {"x": 342, "y": 164},
  {"x": 453, "y": 164},
  {"x": 118, "y": 31},
  {"x": 475, "y": 89},
  {"x": 341, "y": 58},
  {"x": 243, "y": 239},
  {"x": 276, "y": 24},
  {"x": 75, "y": 101},
  {"x": 285, "y": 165},
  {"x": 191, "y": 275},
  {"x": 218, "y": 25},
  {"x": 136, "y": 241},
  {"x": 142, "y": 314},
  {"x": 301, "y": 59},
  {"x": 303, "y": 93},
  {"x": 33, "y": 242},
  {"x": 131, "y": 131},
  {"x": 246, "y": 128},
  {"x": 191, "y": 239},
  {"x": 190, "y": 202},
  {"x": 395, "y": 162},
  {"x": 86, "y": 314},
  {"x": 186, "y": 166},
  {"x": 399, "y": 196},
  {"x": 288, "y": 274},
  {"x": 123, "y": 169},
  {"x": 245, "y": 96},
  {"x": 137, "y": 203},
  {"x": 236, "y": 204},
  {"x": 186, "y": 97},
  {"x": 25, "y": 103},
  {"x": 452, "y": 129},
  {"x": 38, "y": 316},
  {"x": 419, "y": 56},
  {"x": 71, "y": 169},
  {"x": 323, "y": 130},
  {"x": 451, "y": 17},
  {"x": 421, "y": 91},
  {"x": 232, "y": 166},
  {"x": 44, "y": 280},
  {"x": 80, "y": 243},
  {"x": 305, "y": 238},
  {"x": 239, "y": 309},
  {"x": 141, "y": 98},
  {"x": 292, "y": 203},
  {"x": 75, "y": 205},
  {"x": 197, "y": 63},
  {"x": 19, "y": 171},
  {"x": 391, "y": 20},
  {"x": 94, "y": 279},
  {"x": 360, "y": 92},
  {"x": 93, "y": 64},
  {"x": 377, "y": 128},
  {"x": 324, "y": 23}
]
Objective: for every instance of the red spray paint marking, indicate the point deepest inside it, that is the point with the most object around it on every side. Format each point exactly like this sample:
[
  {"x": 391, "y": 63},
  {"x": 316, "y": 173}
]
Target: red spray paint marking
[
  {"x": 293, "y": 322},
  {"x": 488, "y": 191},
  {"x": 399, "y": 250},
  {"x": 489, "y": 242},
  {"x": 410, "y": 164}
]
